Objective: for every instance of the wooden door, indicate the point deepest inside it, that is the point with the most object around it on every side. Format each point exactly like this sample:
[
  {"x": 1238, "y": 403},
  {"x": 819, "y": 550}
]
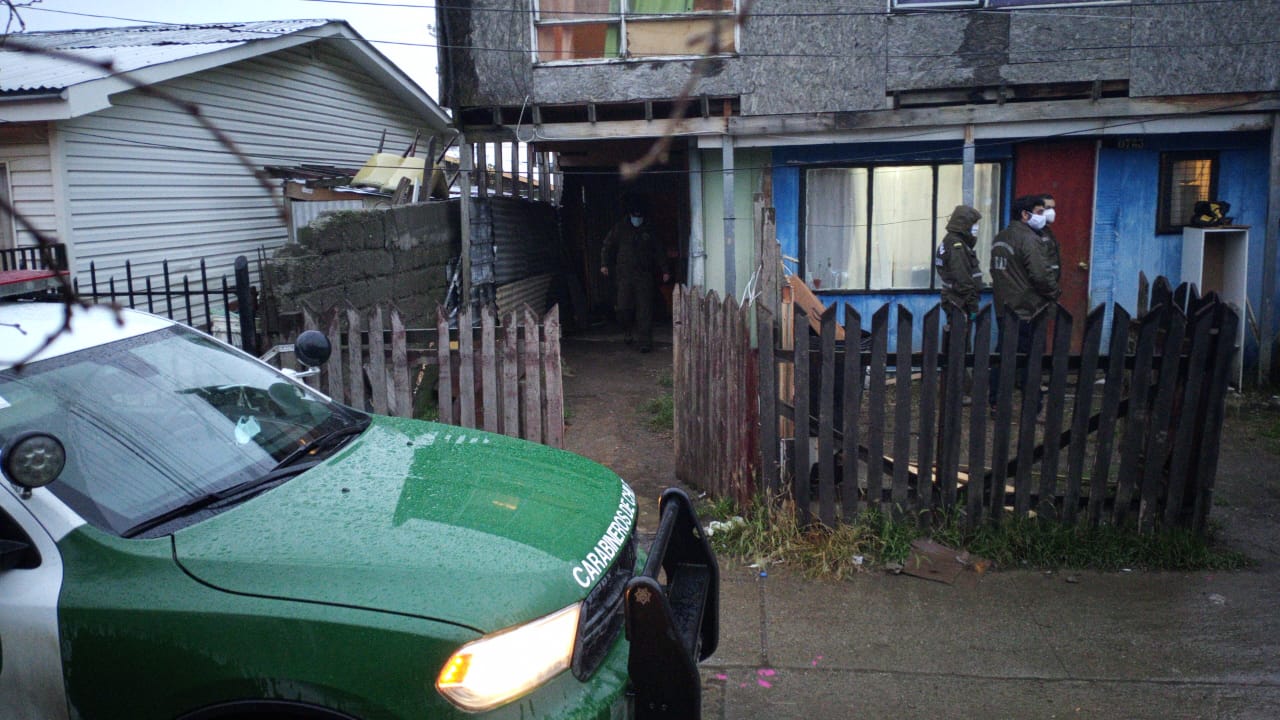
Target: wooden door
[{"x": 1065, "y": 170}]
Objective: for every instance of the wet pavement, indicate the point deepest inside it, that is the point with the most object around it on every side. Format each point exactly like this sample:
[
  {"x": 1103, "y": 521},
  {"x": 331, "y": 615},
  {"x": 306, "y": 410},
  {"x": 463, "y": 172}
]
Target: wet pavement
[{"x": 1012, "y": 644}]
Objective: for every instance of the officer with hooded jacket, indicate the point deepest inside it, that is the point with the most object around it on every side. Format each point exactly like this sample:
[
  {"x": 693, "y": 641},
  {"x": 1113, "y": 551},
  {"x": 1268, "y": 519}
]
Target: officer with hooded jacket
[
  {"x": 632, "y": 255},
  {"x": 956, "y": 261}
]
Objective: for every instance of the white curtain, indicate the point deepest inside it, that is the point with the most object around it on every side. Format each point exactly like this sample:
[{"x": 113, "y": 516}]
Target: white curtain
[
  {"x": 836, "y": 228},
  {"x": 901, "y": 234}
]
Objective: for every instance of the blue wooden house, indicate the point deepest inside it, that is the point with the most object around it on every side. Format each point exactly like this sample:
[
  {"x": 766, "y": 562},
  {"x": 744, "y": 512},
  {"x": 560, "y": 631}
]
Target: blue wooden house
[{"x": 862, "y": 124}]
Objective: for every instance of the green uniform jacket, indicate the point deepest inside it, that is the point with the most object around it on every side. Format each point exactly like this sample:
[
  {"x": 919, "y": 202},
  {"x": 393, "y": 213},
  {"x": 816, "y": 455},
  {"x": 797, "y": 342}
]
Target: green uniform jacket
[
  {"x": 957, "y": 263},
  {"x": 1052, "y": 253},
  {"x": 1020, "y": 273}
]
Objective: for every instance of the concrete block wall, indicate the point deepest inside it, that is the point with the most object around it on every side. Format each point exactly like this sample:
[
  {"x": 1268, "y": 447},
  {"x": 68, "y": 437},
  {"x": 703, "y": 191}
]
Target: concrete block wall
[{"x": 371, "y": 257}]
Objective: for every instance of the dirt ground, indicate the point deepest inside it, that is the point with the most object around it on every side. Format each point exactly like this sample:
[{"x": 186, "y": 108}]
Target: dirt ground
[{"x": 607, "y": 385}]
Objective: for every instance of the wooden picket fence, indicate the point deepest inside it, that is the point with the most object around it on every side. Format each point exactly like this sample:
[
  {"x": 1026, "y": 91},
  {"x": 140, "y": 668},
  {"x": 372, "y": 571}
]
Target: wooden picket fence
[
  {"x": 503, "y": 376},
  {"x": 1128, "y": 435}
]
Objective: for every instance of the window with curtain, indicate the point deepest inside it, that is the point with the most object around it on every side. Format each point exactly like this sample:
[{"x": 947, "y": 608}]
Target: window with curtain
[
  {"x": 875, "y": 228},
  {"x": 612, "y": 29}
]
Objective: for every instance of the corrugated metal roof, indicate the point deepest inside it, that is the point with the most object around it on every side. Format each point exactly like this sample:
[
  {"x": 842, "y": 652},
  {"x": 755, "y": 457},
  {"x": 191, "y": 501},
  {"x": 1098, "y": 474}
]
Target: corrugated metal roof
[{"x": 127, "y": 48}]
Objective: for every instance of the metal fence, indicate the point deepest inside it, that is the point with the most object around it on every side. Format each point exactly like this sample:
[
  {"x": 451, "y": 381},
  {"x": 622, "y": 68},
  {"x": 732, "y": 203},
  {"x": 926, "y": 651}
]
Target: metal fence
[{"x": 223, "y": 306}]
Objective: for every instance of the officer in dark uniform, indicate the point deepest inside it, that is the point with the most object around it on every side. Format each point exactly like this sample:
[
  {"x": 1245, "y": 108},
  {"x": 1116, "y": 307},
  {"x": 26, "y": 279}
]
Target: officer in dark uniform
[
  {"x": 633, "y": 256},
  {"x": 1021, "y": 278},
  {"x": 957, "y": 263}
]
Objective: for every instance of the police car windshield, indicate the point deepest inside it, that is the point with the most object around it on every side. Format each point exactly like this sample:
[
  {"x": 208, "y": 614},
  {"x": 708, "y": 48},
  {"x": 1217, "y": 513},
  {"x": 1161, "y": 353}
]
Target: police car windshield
[{"x": 152, "y": 422}]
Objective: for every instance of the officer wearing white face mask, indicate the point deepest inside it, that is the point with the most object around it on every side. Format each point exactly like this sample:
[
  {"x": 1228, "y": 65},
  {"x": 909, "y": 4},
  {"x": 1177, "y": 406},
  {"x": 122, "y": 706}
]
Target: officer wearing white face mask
[
  {"x": 632, "y": 255},
  {"x": 1049, "y": 241},
  {"x": 958, "y": 270},
  {"x": 1020, "y": 275},
  {"x": 1021, "y": 280}
]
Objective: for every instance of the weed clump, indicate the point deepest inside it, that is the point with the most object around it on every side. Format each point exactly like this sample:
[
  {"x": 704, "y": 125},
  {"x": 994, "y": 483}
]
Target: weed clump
[{"x": 769, "y": 533}]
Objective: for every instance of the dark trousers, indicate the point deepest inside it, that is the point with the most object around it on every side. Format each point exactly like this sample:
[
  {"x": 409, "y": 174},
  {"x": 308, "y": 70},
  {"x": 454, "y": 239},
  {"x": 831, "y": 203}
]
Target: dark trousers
[
  {"x": 635, "y": 307},
  {"x": 1023, "y": 349}
]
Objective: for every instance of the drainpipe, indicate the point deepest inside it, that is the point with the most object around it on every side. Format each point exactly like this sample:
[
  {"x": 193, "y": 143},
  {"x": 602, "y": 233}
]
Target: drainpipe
[
  {"x": 1266, "y": 334},
  {"x": 966, "y": 181},
  {"x": 730, "y": 252},
  {"x": 697, "y": 241}
]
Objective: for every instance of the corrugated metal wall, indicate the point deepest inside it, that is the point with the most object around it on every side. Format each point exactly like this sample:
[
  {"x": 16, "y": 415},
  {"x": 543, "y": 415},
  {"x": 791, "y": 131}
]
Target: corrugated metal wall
[
  {"x": 24, "y": 150},
  {"x": 525, "y": 238},
  {"x": 147, "y": 183}
]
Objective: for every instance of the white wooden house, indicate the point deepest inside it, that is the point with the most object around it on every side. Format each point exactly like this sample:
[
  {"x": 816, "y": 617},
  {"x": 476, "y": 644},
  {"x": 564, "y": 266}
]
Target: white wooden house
[{"x": 121, "y": 173}]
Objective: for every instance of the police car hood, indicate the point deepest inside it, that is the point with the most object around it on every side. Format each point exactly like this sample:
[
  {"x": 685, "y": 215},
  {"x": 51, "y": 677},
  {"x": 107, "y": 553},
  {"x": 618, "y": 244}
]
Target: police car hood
[{"x": 429, "y": 520}]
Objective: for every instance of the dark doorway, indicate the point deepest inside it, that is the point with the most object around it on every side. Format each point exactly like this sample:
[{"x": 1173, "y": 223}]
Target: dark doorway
[{"x": 592, "y": 202}]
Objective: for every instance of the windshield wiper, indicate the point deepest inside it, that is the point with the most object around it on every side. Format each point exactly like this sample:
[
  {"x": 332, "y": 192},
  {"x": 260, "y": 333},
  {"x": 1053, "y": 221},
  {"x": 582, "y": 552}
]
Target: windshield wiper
[
  {"x": 286, "y": 468},
  {"x": 328, "y": 441}
]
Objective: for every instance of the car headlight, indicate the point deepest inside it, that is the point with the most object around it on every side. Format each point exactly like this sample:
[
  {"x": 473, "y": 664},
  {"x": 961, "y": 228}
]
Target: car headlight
[{"x": 498, "y": 668}]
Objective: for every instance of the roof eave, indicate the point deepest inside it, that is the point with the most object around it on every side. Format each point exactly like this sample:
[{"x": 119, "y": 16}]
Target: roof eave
[{"x": 94, "y": 95}]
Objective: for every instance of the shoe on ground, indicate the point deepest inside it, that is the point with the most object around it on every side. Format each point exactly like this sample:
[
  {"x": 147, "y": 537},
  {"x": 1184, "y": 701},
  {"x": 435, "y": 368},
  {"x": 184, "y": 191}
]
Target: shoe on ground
[{"x": 644, "y": 348}]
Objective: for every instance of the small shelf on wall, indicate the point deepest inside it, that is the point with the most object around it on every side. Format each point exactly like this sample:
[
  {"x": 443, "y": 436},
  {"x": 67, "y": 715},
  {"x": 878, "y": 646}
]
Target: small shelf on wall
[{"x": 1216, "y": 259}]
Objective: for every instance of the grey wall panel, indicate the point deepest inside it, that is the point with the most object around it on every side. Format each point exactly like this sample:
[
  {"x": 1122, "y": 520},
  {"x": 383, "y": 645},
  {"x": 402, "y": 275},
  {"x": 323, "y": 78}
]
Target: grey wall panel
[
  {"x": 807, "y": 56},
  {"x": 1185, "y": 48}
]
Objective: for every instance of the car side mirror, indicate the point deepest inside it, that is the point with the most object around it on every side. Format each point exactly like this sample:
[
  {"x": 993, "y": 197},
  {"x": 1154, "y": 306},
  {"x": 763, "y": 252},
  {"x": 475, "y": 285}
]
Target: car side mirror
[
  {"x": 32, "y": 460},
  {"x": 312, "y": 348}
]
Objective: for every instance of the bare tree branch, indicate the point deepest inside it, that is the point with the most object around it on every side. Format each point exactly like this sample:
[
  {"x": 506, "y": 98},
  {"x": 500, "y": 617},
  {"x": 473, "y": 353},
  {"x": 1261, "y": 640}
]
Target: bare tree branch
[{"x": 15, "y": 16}]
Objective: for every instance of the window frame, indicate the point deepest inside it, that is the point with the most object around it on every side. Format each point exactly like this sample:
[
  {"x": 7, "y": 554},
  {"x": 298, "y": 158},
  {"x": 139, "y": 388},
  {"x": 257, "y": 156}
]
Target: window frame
[
  {"x": 624, "y": 16},
  {"x": 905, "y": 6},
  {"x": 1166, "y": 226},
  {"x": 802, "y": 234}
]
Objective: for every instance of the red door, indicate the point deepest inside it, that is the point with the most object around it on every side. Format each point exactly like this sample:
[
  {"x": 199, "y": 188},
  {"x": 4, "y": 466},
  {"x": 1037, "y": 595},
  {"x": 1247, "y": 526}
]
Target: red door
[{"x": 1064, "y": 170}]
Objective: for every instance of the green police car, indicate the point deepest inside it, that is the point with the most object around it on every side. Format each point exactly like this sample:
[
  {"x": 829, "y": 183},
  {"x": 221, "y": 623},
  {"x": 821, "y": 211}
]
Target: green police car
[{"x": 187, "y": 532}]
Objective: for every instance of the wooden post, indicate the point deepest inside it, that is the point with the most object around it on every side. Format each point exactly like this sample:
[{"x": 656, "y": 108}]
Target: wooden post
[
  {"x": 554, "y": 381},
  {"x": 377, "y": 363},
  {"x": 444, "y": 361},
  {"x": 355, "y": 365},
  {"x": 488, "y": 368},
  {"x": 532, "y": 381},
  {"x": 400, "y": 366},
  {"x": 511, "y": 376}
]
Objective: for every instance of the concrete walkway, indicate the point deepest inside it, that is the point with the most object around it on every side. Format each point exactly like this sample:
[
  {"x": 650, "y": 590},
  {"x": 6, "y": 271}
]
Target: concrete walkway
[{"x": 1017, "y": 644}]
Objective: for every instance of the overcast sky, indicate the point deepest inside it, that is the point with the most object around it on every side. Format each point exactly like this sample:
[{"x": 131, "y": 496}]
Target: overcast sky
[{"x": 399, "y": 29}]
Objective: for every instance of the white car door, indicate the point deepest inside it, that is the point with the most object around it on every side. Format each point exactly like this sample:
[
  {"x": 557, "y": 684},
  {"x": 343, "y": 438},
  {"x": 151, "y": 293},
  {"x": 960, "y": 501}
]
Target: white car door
[{"x": 31, "y": 680}]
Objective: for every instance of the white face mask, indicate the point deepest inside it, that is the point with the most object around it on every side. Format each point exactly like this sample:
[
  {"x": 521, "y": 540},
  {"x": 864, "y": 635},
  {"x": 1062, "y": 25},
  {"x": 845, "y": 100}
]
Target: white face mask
[
  {"x": 636, "y": 220},
  {"x": 1036, "y": 222},
  {"x": 1050, "y": 215},
  {"x": 974, "y": 231}
]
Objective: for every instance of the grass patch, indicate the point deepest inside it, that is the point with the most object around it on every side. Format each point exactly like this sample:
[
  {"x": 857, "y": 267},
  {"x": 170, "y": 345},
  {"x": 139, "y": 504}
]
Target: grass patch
[
  {"x": 660, "y": 414},
  {"x": 769, "y": 534}
]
